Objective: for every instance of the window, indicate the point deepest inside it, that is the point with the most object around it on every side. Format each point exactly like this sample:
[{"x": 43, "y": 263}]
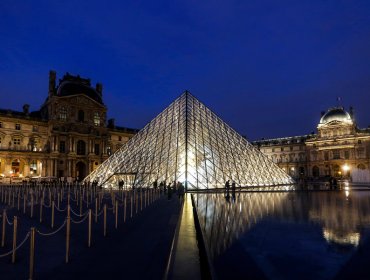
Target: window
[
  {"x": 81, "y": 147},
  {"x": 119, "y": 138},
  {"x": 33, "y": 144},
  {"x": 336, "y": 154},
  {"x": 1, "y": 124},
  {"x": 17, "y": 141},
  {"x": 33, "y": 167},
  {"x": 17, "y": 126},
  {"x": 291, "y": 148},
  {"x": 97, "y": 149},
  {"x": 62, "y": 147},
  {"x": 359, "y": 141},
  {"x": 96, "y": 119},
  {"x": 35, "y": 128},
  {"x": 282, "y": 149},
  {"x": 346, "y": 154},
  {"x": 63, "y": 114},
  {"x": 326, "y": 156},
  {"x": 81, "y": 115}
]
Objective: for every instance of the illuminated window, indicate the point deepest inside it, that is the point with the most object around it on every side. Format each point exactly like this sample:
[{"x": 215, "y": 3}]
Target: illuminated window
[
  {"x": 33, "y": 144},
  {"x": 81, "y": 116},
  {"x": 33, "y": 167},
  {"x": 109, "y": 151},
  {"x": 17, "y": 126},
  {"x": 96, "y": 119},
  {"x": 81, "y": 147},
  {"x": 63, "y": 114}
]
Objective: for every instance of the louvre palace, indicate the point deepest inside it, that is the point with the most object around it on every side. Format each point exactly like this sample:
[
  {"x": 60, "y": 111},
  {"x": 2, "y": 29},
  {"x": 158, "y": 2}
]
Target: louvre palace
[{"x": 67, "y": 137}]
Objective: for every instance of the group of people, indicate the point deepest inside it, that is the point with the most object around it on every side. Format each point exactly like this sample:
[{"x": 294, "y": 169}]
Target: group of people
[
  {"x": 175, "y": 187},
  {"x": 227, "y": 190}
]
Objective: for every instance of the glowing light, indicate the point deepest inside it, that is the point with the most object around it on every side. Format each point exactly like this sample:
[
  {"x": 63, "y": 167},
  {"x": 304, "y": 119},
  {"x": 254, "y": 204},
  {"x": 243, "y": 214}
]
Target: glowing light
[{"x": 345, "y": 167}]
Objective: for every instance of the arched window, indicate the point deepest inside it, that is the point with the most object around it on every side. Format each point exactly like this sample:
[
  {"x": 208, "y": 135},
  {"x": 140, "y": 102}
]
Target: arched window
[
  {"x": 361, "y": 166},
  {"x": 81, "y": 115},
  {"x": 33, "y": 167},
  {"x": 315, "y": 171},
  {"x": 63, "y": 114},
  {"x": 96, "y": 119},
  {"x": 81, "y": 147}
]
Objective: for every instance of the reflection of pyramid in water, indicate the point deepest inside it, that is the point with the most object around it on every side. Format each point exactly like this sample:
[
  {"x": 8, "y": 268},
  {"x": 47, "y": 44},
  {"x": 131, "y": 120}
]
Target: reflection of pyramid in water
[{"x": 187, "y": 142}]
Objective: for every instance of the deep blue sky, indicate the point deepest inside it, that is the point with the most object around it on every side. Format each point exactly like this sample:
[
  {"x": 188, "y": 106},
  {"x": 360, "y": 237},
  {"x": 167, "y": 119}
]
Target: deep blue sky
[{"x": 268, "y": 68}]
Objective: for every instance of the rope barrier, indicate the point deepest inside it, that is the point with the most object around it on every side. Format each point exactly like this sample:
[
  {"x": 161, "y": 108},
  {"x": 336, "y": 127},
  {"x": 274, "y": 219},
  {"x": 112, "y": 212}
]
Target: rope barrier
[
  {"x": 20, "y": 245},
  {"x": 9, "y": 223},
  {"x": 60, "y": 209},
  {"x": 78, "y": 215},
  {"x": 101, "y": 212},
  {"x": 79, "y": 222},
  {"x": 52, "y": 233}
]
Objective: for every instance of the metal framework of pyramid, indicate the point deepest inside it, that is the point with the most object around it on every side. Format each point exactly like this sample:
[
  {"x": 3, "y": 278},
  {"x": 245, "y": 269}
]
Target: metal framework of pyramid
[{"x": 189, "y": 143}]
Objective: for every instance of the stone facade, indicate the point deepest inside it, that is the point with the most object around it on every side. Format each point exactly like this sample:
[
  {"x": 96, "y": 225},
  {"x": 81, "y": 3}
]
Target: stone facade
[
  {"x": 339, "y": 149},
  {"x": 67, "y": 138}
]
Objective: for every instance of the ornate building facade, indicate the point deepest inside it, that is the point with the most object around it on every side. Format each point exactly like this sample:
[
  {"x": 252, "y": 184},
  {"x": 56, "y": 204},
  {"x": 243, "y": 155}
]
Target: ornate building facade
[
  {"x": 68, "y": 137},
  {"x": 339, "y": 148}
]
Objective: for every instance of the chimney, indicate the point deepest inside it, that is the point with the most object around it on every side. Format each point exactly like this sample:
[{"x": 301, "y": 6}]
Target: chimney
[
  {"x": 99, "y": 88},
  {"x": 26, "y": 109},
  {"x": 111, "y": 123},
  {"x": 52, "y": 78}
]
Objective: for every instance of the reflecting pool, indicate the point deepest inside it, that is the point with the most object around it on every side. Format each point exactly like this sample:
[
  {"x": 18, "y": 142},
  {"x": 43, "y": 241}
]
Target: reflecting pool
[{"x": 287, "y": 235}]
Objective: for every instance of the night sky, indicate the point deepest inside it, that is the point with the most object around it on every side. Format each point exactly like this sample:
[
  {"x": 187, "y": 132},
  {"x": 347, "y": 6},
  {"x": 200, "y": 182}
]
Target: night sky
[{"x": 268, "y": 68}]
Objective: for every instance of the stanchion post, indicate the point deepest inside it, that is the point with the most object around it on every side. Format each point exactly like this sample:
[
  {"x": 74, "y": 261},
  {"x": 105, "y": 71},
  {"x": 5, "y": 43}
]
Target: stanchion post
[
  {"x": 89, "y": 233},
  {"x": 15, "y": 226},
  {"x": 105, "y": 219},
  {"x": 31, "y": 214},
  {"x": 68, "y": 229},
  {"x": 41, "y": 202},
  {"x": 116, "y": 213},
  {"x": 32, "y": 252},
  {"x": 18, "y": 200},
  {"x": 3, "y": 229},
  {"x": 124, "y": 209},
  {"x": 52, "y": 213}
]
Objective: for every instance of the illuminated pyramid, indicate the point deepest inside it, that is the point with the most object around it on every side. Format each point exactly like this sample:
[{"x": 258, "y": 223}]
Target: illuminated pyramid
[{"x": 187, "y": 142}]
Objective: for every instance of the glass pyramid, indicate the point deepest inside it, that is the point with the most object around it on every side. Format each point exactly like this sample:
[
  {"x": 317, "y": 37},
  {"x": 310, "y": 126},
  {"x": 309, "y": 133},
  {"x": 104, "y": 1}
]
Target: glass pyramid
[{"x": 187, "y": 142}]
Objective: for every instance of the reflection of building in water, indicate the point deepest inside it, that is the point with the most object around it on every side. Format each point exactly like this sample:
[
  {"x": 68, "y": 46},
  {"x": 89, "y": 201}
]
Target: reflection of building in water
[{"x": 340, "y": 217}]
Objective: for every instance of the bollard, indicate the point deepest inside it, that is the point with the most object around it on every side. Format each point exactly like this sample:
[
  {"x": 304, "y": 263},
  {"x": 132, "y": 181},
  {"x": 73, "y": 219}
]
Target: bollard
[
  {"x": 31, "y": 214},
  {"x": 24, "y": 203},
  {"x": 32, "y": 252},
  {"x": 105, "y": 219},
  {"x": 89, "y": 233},
  {"x": 41, "y": 202},
  {"x": 15, "y": 225},
  {"x": 116, "y": 213},
  {"x": 52, "y": 214},
  {"x": 68, "y": 231},
  {"x": 96, "y": 210},
  {"x": 80, "y": 205},
  {"x": 3, "y": 229},
  {"x": 124, "y": 210}
]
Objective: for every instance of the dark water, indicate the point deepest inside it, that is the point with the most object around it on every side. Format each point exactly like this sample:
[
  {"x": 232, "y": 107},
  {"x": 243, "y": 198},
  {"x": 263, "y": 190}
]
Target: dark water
[{"x": 287, "y": 235}]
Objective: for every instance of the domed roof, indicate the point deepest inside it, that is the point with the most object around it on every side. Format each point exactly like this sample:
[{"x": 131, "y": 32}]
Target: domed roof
[
  {"x": 71, "y": 85},
  {"x": 336, "y": 114}
]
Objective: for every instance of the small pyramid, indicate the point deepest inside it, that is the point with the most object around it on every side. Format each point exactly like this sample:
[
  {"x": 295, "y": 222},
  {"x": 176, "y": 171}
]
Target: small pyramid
[{"x": 189, "y": 143}]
